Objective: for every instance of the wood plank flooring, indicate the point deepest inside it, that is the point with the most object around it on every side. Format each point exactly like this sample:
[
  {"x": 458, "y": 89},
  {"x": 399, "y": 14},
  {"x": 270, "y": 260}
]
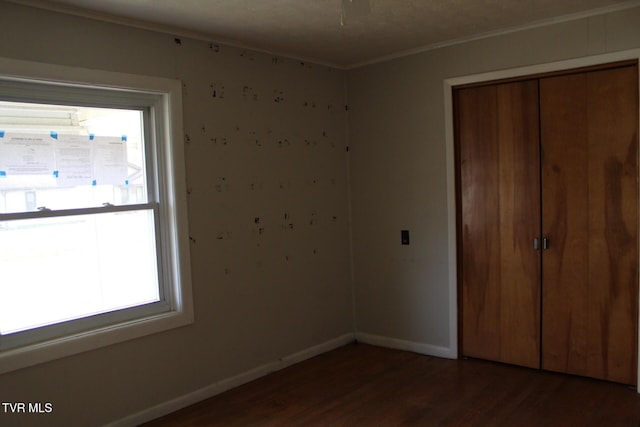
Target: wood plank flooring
[{"x": 362, "y": 385}]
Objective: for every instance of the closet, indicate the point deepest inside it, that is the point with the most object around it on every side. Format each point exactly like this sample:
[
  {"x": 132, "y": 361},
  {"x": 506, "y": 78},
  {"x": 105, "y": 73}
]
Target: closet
[{"x": 547, "y": 219}]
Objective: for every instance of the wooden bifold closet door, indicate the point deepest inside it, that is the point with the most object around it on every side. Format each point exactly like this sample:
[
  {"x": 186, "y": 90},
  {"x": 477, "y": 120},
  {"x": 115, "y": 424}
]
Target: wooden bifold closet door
[
  {"x": 498, "y": 147},
  {"x": 547, "y": 222}
]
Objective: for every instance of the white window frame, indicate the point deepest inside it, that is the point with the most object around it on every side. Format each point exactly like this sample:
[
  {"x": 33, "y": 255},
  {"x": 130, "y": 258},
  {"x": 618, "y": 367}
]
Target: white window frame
[{"x": 163, "y": 98}]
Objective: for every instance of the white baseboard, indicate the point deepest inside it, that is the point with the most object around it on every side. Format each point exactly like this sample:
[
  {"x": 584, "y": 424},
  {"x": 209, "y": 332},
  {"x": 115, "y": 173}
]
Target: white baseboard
[
  {"x": 427, "y": 349},
  {"x": 229, "y": 383}
]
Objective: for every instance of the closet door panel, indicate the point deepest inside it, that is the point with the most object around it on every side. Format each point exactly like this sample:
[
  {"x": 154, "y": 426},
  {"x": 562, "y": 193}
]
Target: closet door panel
[
  {"x": 519, "y": 153},
  {"x": 590, "y": 201},
  {"x": 612, "y": 317},
  {"x": 478, "y": 169},
  {"x": 499, "y": 197},
  {"x": 563, "y": 115}
]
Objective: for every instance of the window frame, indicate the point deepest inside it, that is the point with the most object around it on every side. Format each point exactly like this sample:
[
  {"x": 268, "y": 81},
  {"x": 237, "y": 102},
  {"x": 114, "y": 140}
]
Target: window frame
[{"x": 164, "y": 150}]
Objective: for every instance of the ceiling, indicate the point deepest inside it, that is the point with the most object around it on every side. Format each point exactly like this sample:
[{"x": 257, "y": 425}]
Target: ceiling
[{"x": 312, "y": 29}]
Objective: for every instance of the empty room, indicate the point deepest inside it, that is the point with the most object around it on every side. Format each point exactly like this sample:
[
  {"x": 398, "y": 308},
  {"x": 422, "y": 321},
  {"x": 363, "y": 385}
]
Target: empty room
[{"x": 319, "y": 212}]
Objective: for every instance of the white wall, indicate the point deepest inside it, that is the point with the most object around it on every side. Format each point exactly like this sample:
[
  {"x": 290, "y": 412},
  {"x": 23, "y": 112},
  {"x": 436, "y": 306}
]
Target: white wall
[
  {"x": 398, "y": 170},
  {"x": 258, "y": 297}
]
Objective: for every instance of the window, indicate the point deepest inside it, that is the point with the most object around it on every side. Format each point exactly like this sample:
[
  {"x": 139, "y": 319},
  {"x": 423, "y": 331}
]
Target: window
[{"x": 93, "y": 235}]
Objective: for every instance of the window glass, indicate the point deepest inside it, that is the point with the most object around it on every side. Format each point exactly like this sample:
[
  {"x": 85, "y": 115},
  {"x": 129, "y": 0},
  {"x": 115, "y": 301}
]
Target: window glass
[
  {"x": 63, "y": 268},
  {"x": 69, "y": 157},
  {"x": 65, "y": 262}
]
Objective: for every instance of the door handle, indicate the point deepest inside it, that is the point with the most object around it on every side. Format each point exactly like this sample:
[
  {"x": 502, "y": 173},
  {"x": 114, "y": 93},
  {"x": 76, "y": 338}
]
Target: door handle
[
  {"x": 536, "y": 244},
  {"x": 545, "y": 243}
]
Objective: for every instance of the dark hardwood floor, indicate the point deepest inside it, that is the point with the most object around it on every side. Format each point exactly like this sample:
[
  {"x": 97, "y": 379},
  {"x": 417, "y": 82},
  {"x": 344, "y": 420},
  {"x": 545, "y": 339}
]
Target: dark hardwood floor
[{"x": 362, "y": 385}]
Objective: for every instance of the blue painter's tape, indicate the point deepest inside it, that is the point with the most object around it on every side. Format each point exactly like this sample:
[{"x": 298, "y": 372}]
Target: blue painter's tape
[
  {"x": 54, "y": 135},
  {"x": 1, "y": 134},
  {"x": 56, "y": 174},
  {"x": 3, "y": 174},
  {"x": 94, "y": 182},
  {"x": 124, "y": 138},
  {"x": 91, "y": 137}
]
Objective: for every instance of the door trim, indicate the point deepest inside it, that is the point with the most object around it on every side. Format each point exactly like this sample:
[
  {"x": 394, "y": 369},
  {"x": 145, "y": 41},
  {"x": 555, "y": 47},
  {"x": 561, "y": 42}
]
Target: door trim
[{"x": 633, "y": 54}]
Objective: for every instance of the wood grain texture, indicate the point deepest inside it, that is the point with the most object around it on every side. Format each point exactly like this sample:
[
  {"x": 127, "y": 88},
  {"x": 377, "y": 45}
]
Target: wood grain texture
[
  {"x": 519, "y": 192},
  {"x": 563, "y": 116},
  {"x": 498, "y": 147},
  {"x": 585, "y": 290},
  {"x": 361, "y": 385},
  {"x": 612, "y": 287},
  {"x": 479, "y": 192},
  {"x": 590, "y": 202}
]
